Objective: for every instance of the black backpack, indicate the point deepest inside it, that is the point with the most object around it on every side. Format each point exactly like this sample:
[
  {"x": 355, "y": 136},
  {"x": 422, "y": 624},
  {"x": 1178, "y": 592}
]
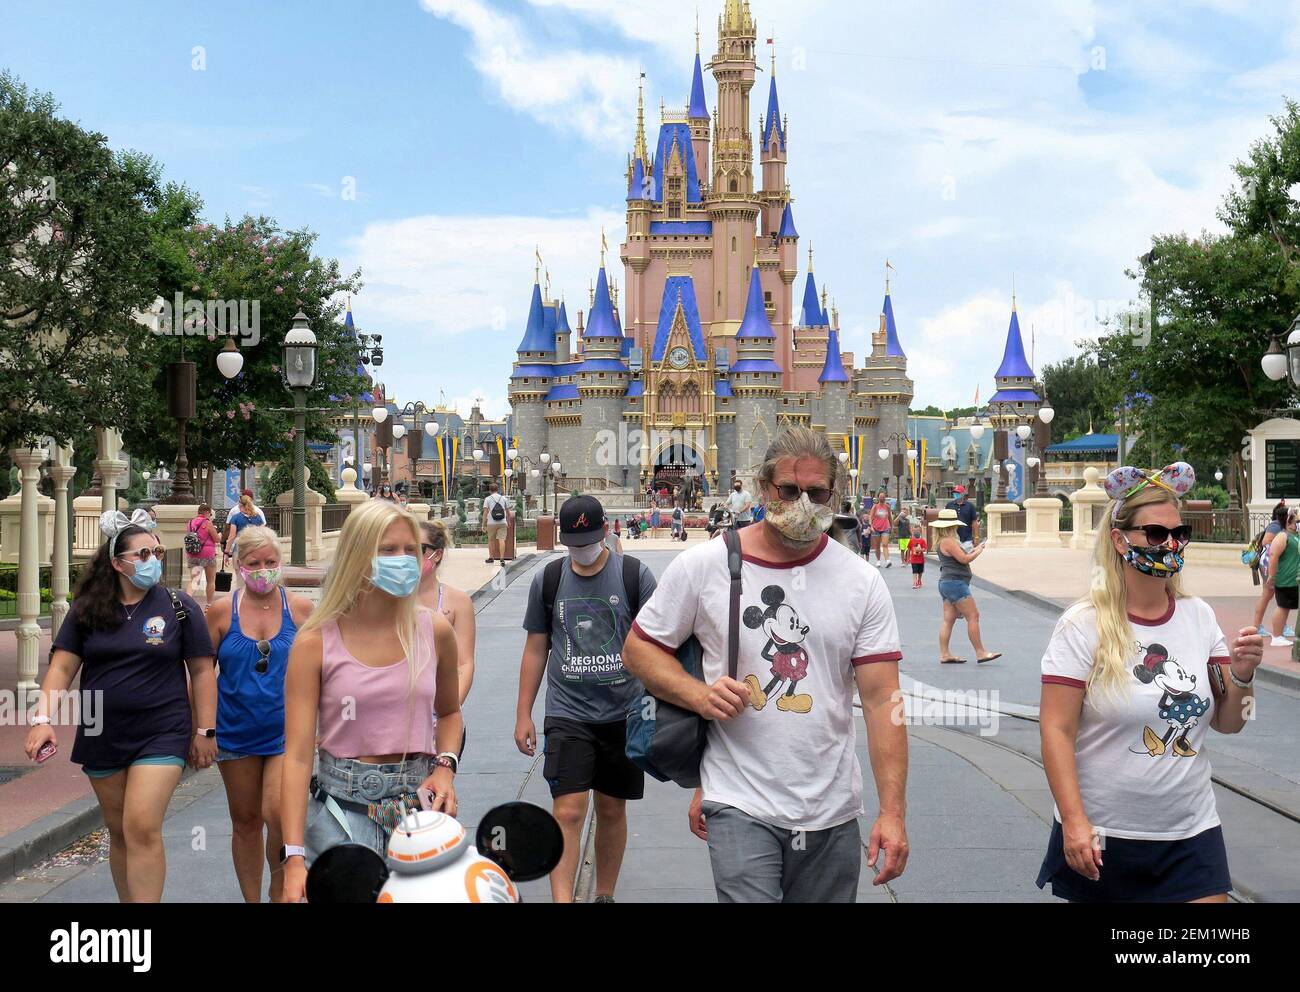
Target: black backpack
[
  {"x": 498, "y": 510},
  {"x": 193, "y": 543},
  {"x": 551, "y": 588}
]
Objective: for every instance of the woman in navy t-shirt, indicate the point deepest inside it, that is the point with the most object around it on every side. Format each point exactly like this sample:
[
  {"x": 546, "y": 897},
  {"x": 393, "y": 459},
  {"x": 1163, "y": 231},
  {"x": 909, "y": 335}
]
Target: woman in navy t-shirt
[
  {"x": 253, "y": 631},
  {"x": 132, "y": 648}
]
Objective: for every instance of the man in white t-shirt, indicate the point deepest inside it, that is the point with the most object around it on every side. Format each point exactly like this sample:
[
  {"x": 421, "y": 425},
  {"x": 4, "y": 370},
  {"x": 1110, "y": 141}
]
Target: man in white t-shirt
[
  {"x": 740, "y": 501},
  {"x": 782, "y": 785},
  {"x": 496, "y": 521}
]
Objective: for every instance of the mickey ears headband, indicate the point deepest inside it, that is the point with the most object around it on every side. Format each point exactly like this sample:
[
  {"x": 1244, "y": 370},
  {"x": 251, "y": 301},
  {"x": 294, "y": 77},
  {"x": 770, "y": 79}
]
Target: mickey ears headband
[
  {"x": 1125, "y": 483},
  {"x": 113, "y": 522}
]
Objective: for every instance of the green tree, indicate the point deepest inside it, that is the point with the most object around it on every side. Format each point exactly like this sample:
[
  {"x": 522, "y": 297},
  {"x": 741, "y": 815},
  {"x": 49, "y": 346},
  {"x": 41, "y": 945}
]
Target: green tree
[
  {"x": 77, "y": 262},
  {"x": 281, "y": 481},
  {"x": 1074, "y": 388},
  {"x": 276, "y": 274}
]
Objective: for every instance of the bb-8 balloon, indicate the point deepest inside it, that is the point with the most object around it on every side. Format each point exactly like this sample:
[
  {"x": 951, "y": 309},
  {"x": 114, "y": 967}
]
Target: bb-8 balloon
[{"x": 431, "y": 859}]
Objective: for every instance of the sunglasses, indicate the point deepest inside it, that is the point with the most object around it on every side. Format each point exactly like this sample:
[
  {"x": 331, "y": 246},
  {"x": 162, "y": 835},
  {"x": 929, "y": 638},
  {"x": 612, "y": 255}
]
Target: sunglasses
[
  {"x": 818, "y": 494},
  {"x": 428, "y": 550},
  {"x": 144, "y": 554},
  {"x": 1158, "y": 534},
  {"x": 263, "y": 649}
]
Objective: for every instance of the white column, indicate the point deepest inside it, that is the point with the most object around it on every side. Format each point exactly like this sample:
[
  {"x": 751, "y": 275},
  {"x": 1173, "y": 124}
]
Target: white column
[
  {"x": 61, "y": 472},
  {"x": 110, "y": 465},
  {"x": 29, "y": 462}
]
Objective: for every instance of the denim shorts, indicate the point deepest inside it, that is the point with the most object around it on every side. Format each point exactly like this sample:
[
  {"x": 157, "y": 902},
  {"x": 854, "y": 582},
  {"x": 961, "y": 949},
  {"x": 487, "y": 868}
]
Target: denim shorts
[
  {"x": 356, "y": 782},
  {"x": 953, "y": 590},
  {"x": 225, "y": 754}
]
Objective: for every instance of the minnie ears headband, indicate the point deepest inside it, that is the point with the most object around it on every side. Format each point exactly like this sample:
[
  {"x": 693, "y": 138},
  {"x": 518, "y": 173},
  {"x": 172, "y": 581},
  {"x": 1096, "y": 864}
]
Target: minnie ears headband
[
  {"x": 1124, "y": 483},
  {"x": 113, "y": 522}
]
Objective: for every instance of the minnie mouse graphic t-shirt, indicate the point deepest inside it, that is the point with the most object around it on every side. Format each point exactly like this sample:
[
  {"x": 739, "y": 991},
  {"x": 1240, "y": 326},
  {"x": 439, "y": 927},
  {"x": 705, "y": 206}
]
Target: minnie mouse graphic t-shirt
[
  {"x": 789, "y": 759},
  {"x": 1142, "y": 773}
]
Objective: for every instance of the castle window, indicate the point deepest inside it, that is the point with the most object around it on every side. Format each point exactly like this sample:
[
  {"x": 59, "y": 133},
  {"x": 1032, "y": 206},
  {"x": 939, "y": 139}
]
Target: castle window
[
  {"x": 719, "y": 297},
  {"x": 733, "y": 246},
  {"x": 735, "y": 186},
  {"x": 767, "y": 297}
]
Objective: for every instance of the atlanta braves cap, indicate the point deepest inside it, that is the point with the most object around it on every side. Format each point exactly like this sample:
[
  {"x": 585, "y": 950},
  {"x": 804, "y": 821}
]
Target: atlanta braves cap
[{"x": 582, "y": 521}]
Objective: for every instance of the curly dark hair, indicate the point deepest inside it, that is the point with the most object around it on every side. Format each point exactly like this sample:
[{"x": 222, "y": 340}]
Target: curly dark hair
[{"x": 98, "y": 592}]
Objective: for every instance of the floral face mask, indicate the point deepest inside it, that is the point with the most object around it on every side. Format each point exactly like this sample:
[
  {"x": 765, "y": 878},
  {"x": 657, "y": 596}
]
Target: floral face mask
[{"x": 801, "y": 521}]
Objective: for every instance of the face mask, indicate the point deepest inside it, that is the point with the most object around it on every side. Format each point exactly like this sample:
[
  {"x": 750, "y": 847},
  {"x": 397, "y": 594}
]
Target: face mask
[
  {"x": 260, "y": 580},
  {"x": 1160, "y": 562},
  {"x": 801, "y": 521},
  {"x": 397, "y": 575},
  {"x": 146, "y": 574},
  {"x": 589, "y": 555}
]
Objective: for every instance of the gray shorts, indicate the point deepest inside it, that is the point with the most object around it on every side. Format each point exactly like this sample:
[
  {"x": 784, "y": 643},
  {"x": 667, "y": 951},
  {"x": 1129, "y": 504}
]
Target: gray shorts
[{"x": 755, "y": 862}]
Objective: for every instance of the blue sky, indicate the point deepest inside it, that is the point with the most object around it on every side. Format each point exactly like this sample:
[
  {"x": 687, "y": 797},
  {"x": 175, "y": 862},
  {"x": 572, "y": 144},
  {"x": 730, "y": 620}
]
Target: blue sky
[{"x": 1041, "y": 142}]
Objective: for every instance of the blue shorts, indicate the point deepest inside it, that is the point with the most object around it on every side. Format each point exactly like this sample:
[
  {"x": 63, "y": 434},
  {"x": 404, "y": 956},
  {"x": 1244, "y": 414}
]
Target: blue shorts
[
  {"x": 953, "y": 590},
  {"x": 151, "y": 759},
  {"x": 224, "y": 754},
  {"x": 1142, "y": 870}
]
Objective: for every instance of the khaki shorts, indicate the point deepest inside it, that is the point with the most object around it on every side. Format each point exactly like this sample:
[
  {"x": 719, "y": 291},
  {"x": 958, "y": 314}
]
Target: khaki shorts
[{"x": 497, "y": 531}]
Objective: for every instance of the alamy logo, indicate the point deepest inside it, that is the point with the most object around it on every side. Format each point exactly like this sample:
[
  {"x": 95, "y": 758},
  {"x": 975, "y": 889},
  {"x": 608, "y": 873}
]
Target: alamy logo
[
  {"x": 211, "y": 319},
  {"x": 77, "y": 946}
]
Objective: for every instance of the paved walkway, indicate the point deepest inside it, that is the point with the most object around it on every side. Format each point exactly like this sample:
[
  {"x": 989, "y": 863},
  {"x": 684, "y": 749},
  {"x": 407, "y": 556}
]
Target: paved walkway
[{"x": 979, "y": 806}]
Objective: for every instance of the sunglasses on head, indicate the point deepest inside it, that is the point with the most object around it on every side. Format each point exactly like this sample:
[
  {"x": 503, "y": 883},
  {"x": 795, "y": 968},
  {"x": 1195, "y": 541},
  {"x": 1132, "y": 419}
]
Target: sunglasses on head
[
  {"x": 144, "y": 554},
  {"x": 263, "y": 649},
  {"x": 818, "y": 494},
  {"x": 1158, "y": 534}
]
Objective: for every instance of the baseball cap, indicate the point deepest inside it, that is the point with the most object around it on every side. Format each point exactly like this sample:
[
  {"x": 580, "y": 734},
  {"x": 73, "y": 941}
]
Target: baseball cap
[
  {"x": 959, "y": 489},
  {"x": 582, "y": 521},
  {"x": 248, "y": 493}
]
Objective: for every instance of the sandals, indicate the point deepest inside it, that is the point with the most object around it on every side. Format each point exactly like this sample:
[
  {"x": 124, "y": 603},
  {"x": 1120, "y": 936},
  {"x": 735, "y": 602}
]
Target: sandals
[
  {"x": 992, "y": 657},
  {"x": 952, "y": 661}
]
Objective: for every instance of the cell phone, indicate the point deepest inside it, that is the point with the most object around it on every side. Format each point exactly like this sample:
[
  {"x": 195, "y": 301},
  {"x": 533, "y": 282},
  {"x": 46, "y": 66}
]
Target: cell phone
[
  {"x": 426, "y": 798},
  {"x": 1216, "y": 676},
  {"x": 47, "y": 751}
]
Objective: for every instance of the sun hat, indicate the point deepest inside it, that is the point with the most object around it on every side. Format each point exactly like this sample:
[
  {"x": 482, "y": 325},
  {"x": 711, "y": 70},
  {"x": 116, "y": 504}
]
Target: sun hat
[{"x": 946, "y": 518}]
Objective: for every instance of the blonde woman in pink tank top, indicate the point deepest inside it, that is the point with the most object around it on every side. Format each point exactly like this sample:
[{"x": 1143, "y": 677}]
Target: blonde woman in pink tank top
[{"x": 374, "y": 670}]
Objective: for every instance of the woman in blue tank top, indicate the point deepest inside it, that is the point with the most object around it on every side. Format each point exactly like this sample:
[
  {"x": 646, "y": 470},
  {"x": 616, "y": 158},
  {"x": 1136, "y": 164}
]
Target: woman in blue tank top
[{"x": 254, "y": 630}]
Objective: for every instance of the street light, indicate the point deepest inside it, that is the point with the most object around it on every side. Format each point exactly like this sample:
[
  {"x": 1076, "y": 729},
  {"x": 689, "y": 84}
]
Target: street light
[
  {"x": 1218, "y": 475},
  {"x": 229, "y": 360},
  {"x": 300, "y": 369}
]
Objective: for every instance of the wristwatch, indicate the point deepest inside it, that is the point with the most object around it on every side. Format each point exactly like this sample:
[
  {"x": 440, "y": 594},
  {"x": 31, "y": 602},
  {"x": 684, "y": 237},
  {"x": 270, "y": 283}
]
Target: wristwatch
[
  {"x": 1247, "y": 684},
  {"x": 208, "y": 732},
  {"x": 40, "y": 721},
  {"x": 288, "y": 851},
  {"x": 447, "y": 760}
]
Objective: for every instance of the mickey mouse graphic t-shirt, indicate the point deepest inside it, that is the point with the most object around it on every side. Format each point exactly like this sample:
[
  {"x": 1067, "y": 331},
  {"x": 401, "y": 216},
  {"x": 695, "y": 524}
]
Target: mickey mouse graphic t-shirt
[
  {"x": 1142, "y": 773},
  {"x": 789, "y": 759}
]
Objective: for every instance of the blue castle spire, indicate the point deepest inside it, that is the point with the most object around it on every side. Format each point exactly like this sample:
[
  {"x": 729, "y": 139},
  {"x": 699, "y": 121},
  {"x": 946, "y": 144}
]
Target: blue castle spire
[
  {"x": 773, "y": 124},
  {"x": 833, "y": 370},
  {"x": 600, "y": 324},
  {"x": 1014, "y": 363},
  {"x": 812, "y": 315},
  {"x": 755, "y": 324},
  {"x": 788, "y": 230},
  {"x": 893, "y": 348},
  {"x": 535, "y": 334},
  {"x": 699, "y": 106}
]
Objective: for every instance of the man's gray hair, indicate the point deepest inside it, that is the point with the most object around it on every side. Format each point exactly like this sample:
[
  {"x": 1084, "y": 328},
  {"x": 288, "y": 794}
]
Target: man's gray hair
[{"x": 799, "y": 442}]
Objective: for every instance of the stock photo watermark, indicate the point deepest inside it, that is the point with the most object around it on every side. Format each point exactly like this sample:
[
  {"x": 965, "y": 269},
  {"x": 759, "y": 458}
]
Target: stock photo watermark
[
  {"x": 181, "y": 317},
  {"x": 67, "y": 708}
]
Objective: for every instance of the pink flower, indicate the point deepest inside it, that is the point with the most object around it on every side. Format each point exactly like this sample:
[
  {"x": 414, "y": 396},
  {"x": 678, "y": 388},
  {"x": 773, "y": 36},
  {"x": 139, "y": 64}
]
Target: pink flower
[
  {"x": 279, "y": 290},
  {"x": 246, "y": 416},
  {"x": 269, "y": 260},
  {"x": 230, "y": 414}
]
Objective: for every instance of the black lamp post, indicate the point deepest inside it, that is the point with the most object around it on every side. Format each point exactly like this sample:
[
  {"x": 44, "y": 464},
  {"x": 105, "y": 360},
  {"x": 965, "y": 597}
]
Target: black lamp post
[
  {"x": 898, "y": 440},
  {"x": 180, "y": 405},
  {"x": 300, "y": 369}
]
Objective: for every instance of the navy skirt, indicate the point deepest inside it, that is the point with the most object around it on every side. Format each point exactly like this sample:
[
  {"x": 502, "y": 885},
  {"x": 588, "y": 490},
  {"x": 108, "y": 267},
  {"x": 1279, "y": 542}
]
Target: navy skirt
[{"x": 1142, "y": 870}]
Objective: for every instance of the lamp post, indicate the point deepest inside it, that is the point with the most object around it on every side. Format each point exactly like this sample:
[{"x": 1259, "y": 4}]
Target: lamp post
[
  {"x": 300, "y": 369},
  {"x": 383, "y": 439},
  {"x": 900, "y": 460},
  {"x": 180, "y": 405}
]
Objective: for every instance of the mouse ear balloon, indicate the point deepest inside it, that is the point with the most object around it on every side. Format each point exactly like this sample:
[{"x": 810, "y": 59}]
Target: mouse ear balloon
[
  {"x": 522, "y": 838},
  {"x": 348, "y": 873}
]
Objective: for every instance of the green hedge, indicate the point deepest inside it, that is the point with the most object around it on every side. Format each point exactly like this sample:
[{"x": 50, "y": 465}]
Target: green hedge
[{"x": 281, "y": 481}]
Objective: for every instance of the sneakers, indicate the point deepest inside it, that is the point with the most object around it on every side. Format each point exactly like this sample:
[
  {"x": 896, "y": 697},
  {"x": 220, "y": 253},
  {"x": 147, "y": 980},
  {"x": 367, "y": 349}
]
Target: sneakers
[
  {"x": 890, "y": 563},
  {"x": 1263, "y": 631},
  {"x": 1279, "y": 642},
  {"x": 603, "y": 899},
  {"x": 1288, "y": 632}
]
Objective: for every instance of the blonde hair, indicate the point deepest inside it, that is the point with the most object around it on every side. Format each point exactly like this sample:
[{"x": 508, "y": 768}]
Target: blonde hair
[
  {"x": 349, "y": 577},
  {"x": 1109, "y": 594},
  {"x": 246, "y": 504},
  {"x": 253, "y": 537}
]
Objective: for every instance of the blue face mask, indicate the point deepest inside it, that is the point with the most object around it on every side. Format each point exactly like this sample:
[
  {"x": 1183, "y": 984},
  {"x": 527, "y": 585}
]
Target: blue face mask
[
  {"x": 397, "y": 575},
  {"x": 146, "y": 574}
]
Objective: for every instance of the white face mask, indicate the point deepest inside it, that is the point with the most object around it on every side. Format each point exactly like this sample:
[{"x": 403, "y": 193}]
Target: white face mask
[{"x": 589, "y": 555}]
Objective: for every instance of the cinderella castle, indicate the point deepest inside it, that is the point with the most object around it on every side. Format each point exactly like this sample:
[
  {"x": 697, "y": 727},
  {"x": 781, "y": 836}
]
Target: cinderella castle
[{"x": 706, "y": 355}]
